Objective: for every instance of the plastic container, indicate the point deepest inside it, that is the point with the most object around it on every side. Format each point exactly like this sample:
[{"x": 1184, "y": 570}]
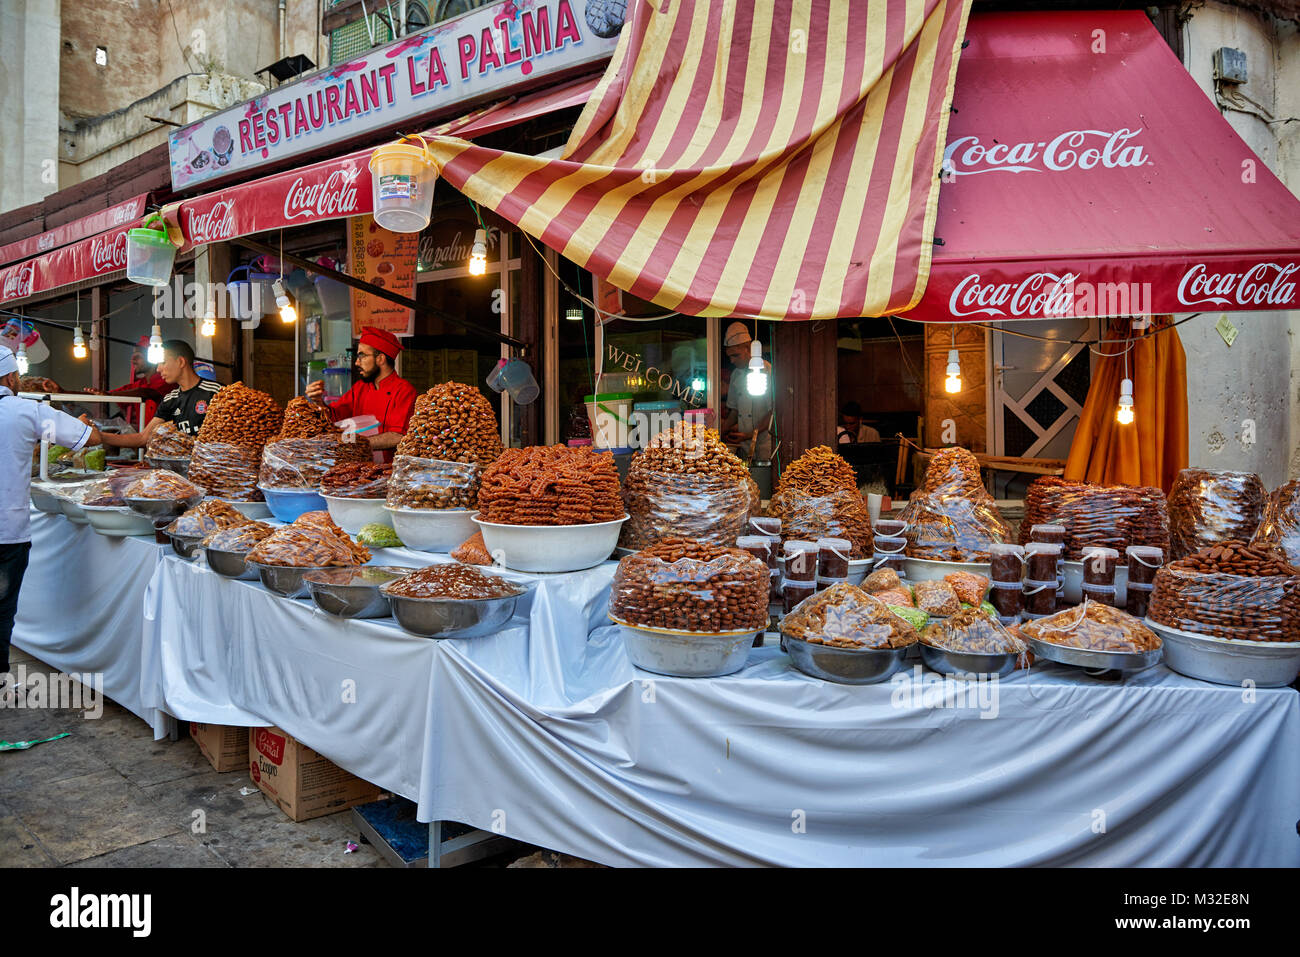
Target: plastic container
[
  {"x": 402, "y": 176},
  {"x": 801, "y": 562},
  {"x": 1099, "y": 567},
  {"x": 1006, "y": 564},
  {"x": 149, "y": 255},
  {"x": 548, "y": 548},
  {"x": 251, "y": 294},
  {"x": 335, "y": 298},
  {"x": 1007, "y": 598},
  {"x": 1039, "y": 597},
  {"x": 431, "y": 529},
  {"x": 288, "y": 504},
  {"x": 516, "y": 377},
  {"x": 610, "y": 414},
  {"x": 337, "y": 383}
]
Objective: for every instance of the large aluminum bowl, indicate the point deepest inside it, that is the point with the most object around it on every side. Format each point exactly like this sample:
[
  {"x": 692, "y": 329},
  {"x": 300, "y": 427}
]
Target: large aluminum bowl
[
  {"x": 452, "y": 617},
  {"x": 187, "y": 546},
  {"x": 1228, "y": 661},
  {"x": 352, "y": 514},
  {"x": 286, "y": 580},
  {"x": 431, "y": 529},
  {"x": 353, "y": 592},
  {"x": 230, "y": 564},
  {"x": 160, "y": 509},
  {"x": 549, "y": 548},
  {"x": 845, "y": 666},
  {"x": 1094, "y": 660},
  {"x": 685, "y": 654},
  {"x": 116, "y": 521},
  {"x": 179, "y": 465},
  {"x": 959, "y": 663},
  {"x": 927, "y": 569}
]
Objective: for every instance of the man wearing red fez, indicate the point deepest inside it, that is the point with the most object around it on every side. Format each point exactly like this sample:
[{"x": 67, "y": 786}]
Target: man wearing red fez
[{"x": 381, "y": 391}]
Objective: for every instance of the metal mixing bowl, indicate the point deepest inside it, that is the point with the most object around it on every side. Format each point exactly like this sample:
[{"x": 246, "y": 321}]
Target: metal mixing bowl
[
  {"x": 353, "y": 592},
  {"x": 230, "y": 564},
  {"x": 161, "y": 508},
  {"x": 846, "y": 666},
  {"x": 186, "y": 546},
  {"x": 958, "y": 663},
  {"x": 451, "y": 617},
  {"x": 286, "y": 580}
]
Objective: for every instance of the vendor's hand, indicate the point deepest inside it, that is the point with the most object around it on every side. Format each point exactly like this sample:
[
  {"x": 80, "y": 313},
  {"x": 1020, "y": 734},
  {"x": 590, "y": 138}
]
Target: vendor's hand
[
  {"x": 84, "y": 419},
  {"x": 316, "y": 391},
  {"x": 738, "y": 438}
]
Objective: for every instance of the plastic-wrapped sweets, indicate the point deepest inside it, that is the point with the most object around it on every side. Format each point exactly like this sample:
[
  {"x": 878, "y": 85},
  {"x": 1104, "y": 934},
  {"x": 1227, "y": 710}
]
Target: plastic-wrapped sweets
[
  {"x": 1280, "y": 525},
  {"x": 845, "y": 616},
  {"x": 238, "y": 538},
  {"x": 301, "y": 463},
  {"x": 162, "y": 484},
  {"x": 1093, "y": 626},
  {"x": 936, "y": 598},
  {"x": 432, "y": 483},
  {"x": 973, "y": 632},
  {"x": 954, "y": 471},
  {"x": 1107, "y": 516},
  {"x": 839, "y": 513},
  {"x": 228, "y": 471},
  {"x": 169, "y": 442},
  {"x": 1207, "y": 507},
  {"x": 111, "y": 490},
  {"x": 357, "y": 480},
  {"x": 308, "y": 546},
  {"x": 685, "y": 585},
  {"x": 205, "y": 518},
  {"x": 953, "y": 528}
]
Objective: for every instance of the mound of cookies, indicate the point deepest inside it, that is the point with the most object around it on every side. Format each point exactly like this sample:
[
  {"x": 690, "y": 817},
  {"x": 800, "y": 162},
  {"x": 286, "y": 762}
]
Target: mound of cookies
[{"x": 550, "y": 485}]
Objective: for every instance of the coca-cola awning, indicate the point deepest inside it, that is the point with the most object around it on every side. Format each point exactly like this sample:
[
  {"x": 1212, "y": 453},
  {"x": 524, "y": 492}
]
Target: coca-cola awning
[
  {"x": 1087, "y": 174},
  {"x": 118, "y": 215},
  {"x": 332, "y": 189}
]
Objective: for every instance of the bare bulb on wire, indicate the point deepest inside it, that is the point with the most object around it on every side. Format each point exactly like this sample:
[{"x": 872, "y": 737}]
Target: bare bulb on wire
[
  {"x": 756, "y": 379},
  {"x": 1124, "y": 413},
  {"x": 952, "y": 382},
  {"x": 155, "y": 353},
  {"x": 21, "y": 358},
  {"x": 478, "y": 254},
  {"x": 78, "y": 344},
  {"x": 288, "y": 313}
]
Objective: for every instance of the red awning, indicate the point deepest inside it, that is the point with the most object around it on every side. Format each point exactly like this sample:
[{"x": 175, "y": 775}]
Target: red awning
[
  {"x": 1087, "y": 174},
  {"x": 124, "y": 212},
  {"x": 332, "y": 189}
]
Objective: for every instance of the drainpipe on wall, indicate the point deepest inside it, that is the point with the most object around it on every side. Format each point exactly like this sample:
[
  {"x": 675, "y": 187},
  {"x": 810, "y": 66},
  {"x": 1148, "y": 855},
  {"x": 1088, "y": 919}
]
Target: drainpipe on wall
[{"x": 281, "y": 56}]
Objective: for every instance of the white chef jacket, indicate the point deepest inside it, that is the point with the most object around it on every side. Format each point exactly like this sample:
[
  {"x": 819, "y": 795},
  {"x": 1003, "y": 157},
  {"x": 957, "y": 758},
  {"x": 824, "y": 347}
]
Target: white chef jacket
[{"x": 23, "y": 422}]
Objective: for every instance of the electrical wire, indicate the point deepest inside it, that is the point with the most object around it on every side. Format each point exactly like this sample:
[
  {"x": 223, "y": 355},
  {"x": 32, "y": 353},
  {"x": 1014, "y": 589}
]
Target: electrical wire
[{"x": 587, "y": 302}]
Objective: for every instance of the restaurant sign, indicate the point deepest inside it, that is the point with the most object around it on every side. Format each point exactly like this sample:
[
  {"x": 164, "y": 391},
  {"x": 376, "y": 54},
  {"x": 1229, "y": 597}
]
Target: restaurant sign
[{"x": 498, "y": 48}]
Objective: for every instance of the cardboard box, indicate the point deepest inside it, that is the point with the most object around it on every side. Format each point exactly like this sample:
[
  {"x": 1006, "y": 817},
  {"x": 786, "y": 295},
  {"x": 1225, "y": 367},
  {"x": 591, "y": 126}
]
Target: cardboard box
[
  {"x": 299, "y": 780},
  {"x": 225, "y": 747}
]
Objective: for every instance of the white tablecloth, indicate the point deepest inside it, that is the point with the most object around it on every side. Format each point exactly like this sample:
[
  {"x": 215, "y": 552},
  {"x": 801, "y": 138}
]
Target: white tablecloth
[
  {"x": 547, "y": 733},
  {"x": 80, "y": 605}
]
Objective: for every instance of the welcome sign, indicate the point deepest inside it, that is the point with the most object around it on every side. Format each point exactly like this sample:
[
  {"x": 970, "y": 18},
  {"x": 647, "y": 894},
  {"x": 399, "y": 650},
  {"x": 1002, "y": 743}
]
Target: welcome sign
[{"x": 497, "y": 48}]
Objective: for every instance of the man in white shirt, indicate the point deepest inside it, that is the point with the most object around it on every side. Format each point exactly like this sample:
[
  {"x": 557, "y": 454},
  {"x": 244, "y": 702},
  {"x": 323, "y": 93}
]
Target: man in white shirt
[
  {"x": 747, "y": 425},
  {"x": 22, "y": 425}
]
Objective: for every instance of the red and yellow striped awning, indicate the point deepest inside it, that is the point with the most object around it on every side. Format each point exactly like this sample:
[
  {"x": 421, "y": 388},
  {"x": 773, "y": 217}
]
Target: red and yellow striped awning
[{"x": 776, "y": 159}]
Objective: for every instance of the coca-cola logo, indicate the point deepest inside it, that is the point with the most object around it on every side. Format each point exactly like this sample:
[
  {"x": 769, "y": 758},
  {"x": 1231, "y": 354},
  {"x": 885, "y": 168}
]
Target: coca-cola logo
[
  {"x": 1264, "y": 284},
  {"x": 106, "y": 254},
  {"x": 1081, "y": 149},
  {"x": 19, "y": 282},
  {"x": 217, "y": 223},
  {"x": 337, "y": 196},
  {"x": 45, "y": 242},
  {"x": 270, "y": 745},
  {"x": 1040, "y": 294}
]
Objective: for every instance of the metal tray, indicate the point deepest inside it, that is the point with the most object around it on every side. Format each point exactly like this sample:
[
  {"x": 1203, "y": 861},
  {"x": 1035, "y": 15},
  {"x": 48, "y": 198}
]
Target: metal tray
[
  {"x": 845, "y": 666},
  {"x": 958, "y": 663},
  {"x": 1094, "y": 660}
]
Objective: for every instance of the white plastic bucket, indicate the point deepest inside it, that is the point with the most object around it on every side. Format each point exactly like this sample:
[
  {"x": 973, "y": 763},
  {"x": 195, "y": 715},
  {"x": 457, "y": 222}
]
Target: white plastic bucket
[
  {"x": 610, "y": 415},
  {"x": 402, "y": 176}
]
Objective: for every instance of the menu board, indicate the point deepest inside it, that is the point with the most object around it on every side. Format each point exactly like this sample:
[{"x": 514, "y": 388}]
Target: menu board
[{"x": 385, "y": 259}]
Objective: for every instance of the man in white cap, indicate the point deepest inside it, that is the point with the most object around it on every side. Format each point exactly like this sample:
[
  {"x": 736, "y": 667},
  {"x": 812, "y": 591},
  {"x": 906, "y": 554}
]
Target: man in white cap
[
  {"x": 23, "y": 423},
  {"x": 747, "y": 425}
]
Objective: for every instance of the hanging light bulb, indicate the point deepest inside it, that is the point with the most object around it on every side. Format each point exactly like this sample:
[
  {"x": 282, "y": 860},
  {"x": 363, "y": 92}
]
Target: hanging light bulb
[
  {"x": 209, "y": 326},
  {"x": 78, "y": 344},
  {"x": 478, "y": 254},
  {"x": 952, "y": 383},
  {"x": 1124, "y": 414},
  {"x": 573, "y": 314},
  {"x": 21, "y": 357},
  {"x": 155, "y": 353},
  {"x": 287, "y": 312},
  {"x": 756, "y": 379}
]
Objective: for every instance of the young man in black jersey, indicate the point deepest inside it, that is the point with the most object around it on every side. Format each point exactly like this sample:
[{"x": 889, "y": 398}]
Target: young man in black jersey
[{"x": 184, "y": 406}]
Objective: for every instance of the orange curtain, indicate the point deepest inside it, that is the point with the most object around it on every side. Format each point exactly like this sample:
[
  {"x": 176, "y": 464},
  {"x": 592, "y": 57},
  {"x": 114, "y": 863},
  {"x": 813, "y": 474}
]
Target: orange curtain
[{"x": 1153, "y": 449}]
